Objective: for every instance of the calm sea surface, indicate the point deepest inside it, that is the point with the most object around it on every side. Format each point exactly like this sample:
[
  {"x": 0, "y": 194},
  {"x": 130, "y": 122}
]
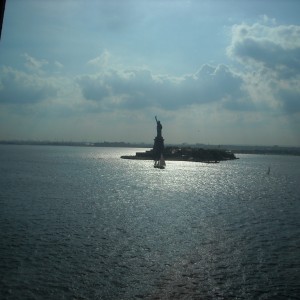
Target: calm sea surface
[{"x": 81, "y": 223}]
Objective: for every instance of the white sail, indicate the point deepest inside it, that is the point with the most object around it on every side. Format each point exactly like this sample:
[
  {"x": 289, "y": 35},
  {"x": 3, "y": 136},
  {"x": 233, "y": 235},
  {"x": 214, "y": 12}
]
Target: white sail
[{"x": 160, "y": 163}]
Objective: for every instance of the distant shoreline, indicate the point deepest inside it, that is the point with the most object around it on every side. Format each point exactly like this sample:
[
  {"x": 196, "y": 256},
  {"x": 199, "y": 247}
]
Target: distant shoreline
[
  {"x": 77, "y": 144},
  {"x": 236, "y": 149}
]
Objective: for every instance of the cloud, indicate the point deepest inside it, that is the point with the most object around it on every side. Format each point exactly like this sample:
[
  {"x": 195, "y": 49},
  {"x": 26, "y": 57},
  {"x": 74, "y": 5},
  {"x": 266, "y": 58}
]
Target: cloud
[
  {"x": 139, "y": 88},
  {"x": 290, "y": 100},
  {"x": 274, "y": 48},
  {"x": 101, "y": 61},
  {"x": 215, "y": 84},
  {"x": 58, "y": 65},
  {"x": 93, "y": 87},
  {"x": 270, "y": 54},
  {"x": 18, "y": 87},
  {"x": 34, "y": 64}
]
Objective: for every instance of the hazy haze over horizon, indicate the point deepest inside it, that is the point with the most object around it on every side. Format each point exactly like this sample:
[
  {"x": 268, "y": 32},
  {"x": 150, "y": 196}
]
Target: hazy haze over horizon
[{"x": 218, "y": 72}]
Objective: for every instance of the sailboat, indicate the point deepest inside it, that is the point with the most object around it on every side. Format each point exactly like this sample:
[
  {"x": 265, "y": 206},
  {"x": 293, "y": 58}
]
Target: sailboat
[{"x": 161, "y": 164}]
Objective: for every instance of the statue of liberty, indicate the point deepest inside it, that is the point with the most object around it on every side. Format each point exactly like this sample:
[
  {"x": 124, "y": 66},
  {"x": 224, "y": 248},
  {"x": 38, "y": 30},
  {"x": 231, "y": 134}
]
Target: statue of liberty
[
  {"x": 158, "y": 147},
  {"x": 158, "y": 128}
]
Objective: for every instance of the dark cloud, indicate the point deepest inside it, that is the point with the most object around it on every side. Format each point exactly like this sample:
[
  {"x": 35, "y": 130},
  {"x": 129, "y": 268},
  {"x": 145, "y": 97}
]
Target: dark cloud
[
  {"x": 21, "y": 88},
  {"x": 270, "y": 55},
  {"x": 135, "y": 89},
  {"x": 93, "y": 88},
  {"x": 239, "y": 105},
  {"x": 290, "y": 100},
  {"x": 273, "y": 52},
  {"x": 219, "y": 83},
  {"x": 275, "y": 48}
]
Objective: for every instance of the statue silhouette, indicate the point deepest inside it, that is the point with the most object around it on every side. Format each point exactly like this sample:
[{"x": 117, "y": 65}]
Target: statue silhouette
[
  {"x": 158, "y": 127},
  {"x": 158, "y": 147}
]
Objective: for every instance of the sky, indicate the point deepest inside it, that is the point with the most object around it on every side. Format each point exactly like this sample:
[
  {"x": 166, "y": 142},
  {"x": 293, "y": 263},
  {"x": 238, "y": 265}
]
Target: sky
[{"x": 212, "y": 71}]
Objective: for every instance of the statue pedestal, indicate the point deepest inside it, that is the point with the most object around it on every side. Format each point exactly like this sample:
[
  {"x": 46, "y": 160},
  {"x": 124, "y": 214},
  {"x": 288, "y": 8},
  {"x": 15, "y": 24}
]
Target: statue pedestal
[{"x": 158, "y": 147}]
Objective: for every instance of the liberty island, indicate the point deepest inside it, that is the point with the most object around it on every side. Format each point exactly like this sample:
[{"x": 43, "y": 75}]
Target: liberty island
[{"x": 173, "y": 153}]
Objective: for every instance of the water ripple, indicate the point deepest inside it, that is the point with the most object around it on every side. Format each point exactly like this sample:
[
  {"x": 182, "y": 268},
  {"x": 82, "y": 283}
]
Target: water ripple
[{"x": 81, "y": 223}]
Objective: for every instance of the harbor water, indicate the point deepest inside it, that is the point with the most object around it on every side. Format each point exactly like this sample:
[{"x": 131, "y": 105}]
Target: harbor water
[{"x": 81, "y": 223}]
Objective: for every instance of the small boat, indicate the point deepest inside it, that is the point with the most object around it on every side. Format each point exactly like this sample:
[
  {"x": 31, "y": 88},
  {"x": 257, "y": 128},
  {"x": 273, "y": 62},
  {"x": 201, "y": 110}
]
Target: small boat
[
  {"x": 160, "y": 164},
  {"x": 269, "y": 170}
]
